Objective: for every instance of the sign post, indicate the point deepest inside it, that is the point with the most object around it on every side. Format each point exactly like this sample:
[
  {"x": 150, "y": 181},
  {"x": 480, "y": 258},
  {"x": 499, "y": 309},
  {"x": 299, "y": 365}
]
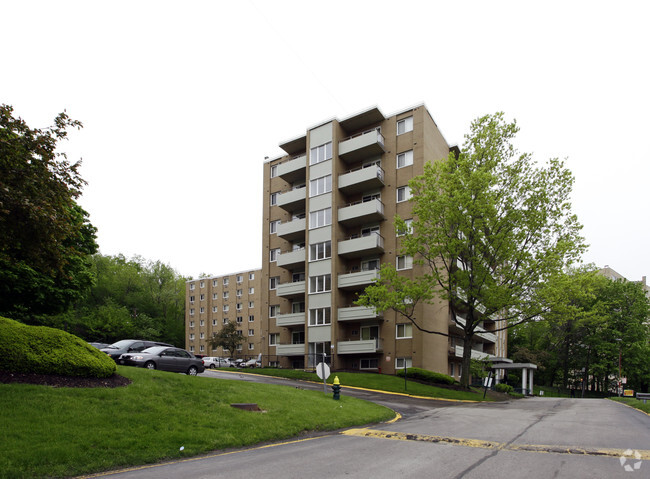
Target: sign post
[{"x": 323, "y": 371}]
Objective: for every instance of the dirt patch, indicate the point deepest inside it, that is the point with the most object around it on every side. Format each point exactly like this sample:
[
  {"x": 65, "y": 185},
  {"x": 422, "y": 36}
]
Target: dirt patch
[{"x": 57, "y": 381}]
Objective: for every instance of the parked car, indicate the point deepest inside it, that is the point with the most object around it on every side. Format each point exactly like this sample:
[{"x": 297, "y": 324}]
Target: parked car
[
  {"x": 115, "y": 350},
  {"x": 100, "y": 345},
  {"x": 216, "y": 362},
  {"x": 252, "y": 363},
  {"x": 166, "y": 359}
]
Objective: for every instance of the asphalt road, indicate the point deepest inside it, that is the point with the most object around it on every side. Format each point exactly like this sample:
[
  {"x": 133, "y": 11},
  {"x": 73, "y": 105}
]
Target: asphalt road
[{"x": 527, "y": 438}]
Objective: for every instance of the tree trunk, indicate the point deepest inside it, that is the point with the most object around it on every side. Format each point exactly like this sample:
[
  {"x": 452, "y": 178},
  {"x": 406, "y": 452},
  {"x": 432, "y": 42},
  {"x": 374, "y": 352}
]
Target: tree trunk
[{"x": 467, "y": 361}]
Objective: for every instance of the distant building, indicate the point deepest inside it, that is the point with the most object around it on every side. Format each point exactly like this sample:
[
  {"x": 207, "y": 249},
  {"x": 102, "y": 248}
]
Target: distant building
[
  {"x": 614, "y": 276},
  {"x": 328, "y": 223}
]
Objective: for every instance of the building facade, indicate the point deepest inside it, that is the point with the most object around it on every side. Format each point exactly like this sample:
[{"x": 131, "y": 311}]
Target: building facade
[{"x": 328, "y": 224}]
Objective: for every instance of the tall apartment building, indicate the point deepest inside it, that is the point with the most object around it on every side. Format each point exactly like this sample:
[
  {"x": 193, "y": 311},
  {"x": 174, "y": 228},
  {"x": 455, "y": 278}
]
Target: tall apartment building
[{"x": 328, "y": 214}]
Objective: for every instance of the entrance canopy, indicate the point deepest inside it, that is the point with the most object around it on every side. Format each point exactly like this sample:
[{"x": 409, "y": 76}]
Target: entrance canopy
[{"x": 527, "y": 372}]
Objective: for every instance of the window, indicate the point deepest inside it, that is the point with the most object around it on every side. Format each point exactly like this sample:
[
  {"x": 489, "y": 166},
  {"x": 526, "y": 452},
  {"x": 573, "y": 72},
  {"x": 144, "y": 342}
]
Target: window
[
  {"x": 320, "y": 218},
  {"x": 320, "y": 316},
  {"x": 214, "y": 296},
  {"x": 191, "y": 299},
  {"x": 240, "y": 320},
  {"x": 215, "y": 283},
  {"x": 320, "y": 251},
  {"x": 274, "y": 171},
  {"x": 251, "y": 290},
  {"x": 274, "y": 226},
  {"x": 273, "y": 282},
  {"x": 226, "y": 308},
  {"x": 191, "y": 349},
  {"x": 298, "y": 307},
  {"x": 273, "y": 254},
  {"x": 274, "y": 339},
  {"x": 405, "y": 159},
  {"x": 320, "y": 153},
  {"x": 405, "y": 125},
  {"x": 240, "y": 278},
  {"x": 367, "y": 231},
  {"x": 238, "y": 306},
  {"x": 203, "y": 297},
  {"x": 239, "y": 293},
  {"x": 202, "y": 322},
  {"x": 251, "y": 276},
  {"x": 239, "y": 347},
  {"x": 298, "y": 337},
  {"x": 369, "y": 364},
  {"x": 251, "y": 318},
  {"x": 225, "y": 320},
  {"x": 404, "y": 262},
  {"x": 403, "y": 193},
  {"x": 273, "y": 311},
  {"x": 192, "y": 286},
  {"x": 370, "y": 265},
  {"x": 404, "y": 331},
  {"x": 202, "y": 336},
  {"x": 201, "y": 348},
  {"x": 251, "y": 346},
  {"x": 214, "y": 322},
  {"x": 215, "y": 309},
  {"x": 192, "y": 337},
  {"x": 320, "y": 284},
  {"x": 226, "y": 281},
  {"x": 191, "y": 324},
  {"x": 274, "y": 198},
  {"x": 251, "y": 332},
  {"x": 225, "y": 295},
  {"x": 407, "y": 230},
  {"x": 191, "y": 311},
  {"x": 320, "y": 186},
  {"x": 251, "y": 304}
]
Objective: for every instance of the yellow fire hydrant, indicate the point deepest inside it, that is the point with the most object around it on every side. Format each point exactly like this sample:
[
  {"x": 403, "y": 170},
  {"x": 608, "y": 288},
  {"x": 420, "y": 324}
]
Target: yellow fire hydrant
[{"x": 336, "y": 387}]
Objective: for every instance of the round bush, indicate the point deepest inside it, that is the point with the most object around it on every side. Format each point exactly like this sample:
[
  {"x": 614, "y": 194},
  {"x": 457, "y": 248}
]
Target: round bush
[
  {"x": 503, "y": 388},
  {"x": 43, "y": 350}
]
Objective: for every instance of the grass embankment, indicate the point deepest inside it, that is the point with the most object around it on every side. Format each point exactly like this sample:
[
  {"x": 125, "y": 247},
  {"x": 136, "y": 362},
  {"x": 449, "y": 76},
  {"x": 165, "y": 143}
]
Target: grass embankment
[
  {"x": 633, "y": 402},
  {"x": 58, "y": 432},
  {"x": 380, "y": 382}
]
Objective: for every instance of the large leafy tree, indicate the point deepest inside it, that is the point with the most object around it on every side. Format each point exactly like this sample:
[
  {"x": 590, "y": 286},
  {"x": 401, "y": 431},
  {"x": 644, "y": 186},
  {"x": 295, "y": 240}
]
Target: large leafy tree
[
  {"x": 45, "y": 236},
  {"x": 228, "y": 337},
  {"x": 489, "y": 228}
]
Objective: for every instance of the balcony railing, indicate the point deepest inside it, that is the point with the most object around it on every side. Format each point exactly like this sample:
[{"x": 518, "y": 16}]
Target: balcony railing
[
  {"x": 361, "y": 179},
  {"x": 293, "y": 169},
  {"x": 370, "y": 142},
  {"x": 290, "y": 349},
  {"x": 289, "y": 259},
  {"x": 292, "y": 319},
  {"x": 359, "y": 347},
  {"x": 297, "y": 288},
  {"x": 358, "y": 313},
  {"x": 293, "y": 199},
  {"x": 357, "y": 279},
  {"x": 361, "y": 212},
  {"x": 291, "y": 230},
  {"x": 361, "y": 245}
]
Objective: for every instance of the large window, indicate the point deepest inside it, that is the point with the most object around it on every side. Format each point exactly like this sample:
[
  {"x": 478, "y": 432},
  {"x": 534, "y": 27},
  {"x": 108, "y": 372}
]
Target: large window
[
  {"x": 320, "y": 153},
  {"x": 273, "y": 254},
  {"x": 320, "y": 218},
  {"x": 369, "y": 364},
  {"x": 408, "y": 229},
  {"x": 273, "y": 311},
  {"x": 320, "y": 284},
  {"x": 320, "y": 185},
  {"x": 405, "y": 159},
  {"x": 405, "y": 125},
  {"x": 403, "y": 193},
  {"x": 320, "y": 251},
  {"x": 274, "y": 338},
  {"x": 404, "y": 331},
  {"x": 274, "y": 198},
  {"x": 273, "y": 282},
  {"x": 273, "y": 226},
  {"x": 274, "y": 171},
  {"x": 404, "y": 262},
  {"x": 320, "y": 316}
]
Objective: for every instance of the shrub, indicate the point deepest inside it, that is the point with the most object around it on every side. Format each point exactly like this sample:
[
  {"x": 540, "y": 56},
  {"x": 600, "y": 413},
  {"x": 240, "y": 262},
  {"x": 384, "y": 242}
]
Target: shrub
[
  {"x": 503, "y": 388},
  {"x": 426, "y": 376},
  {"x": 43, "y": 350}
]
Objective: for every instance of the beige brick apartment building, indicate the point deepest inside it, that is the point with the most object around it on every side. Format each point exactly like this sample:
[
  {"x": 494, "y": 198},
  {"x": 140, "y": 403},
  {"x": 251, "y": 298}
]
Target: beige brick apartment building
[{"x": 328, "y": 223}]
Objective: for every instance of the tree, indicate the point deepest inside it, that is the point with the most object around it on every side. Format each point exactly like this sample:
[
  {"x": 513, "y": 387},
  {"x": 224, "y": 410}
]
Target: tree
[
  {"x": 228, "y": 337},
  {"x": 489, "y": 228},
  {"x": 45, "y": 236}
]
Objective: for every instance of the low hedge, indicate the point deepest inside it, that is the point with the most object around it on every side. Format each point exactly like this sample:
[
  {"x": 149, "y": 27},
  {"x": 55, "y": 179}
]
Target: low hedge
[
  {"x": 43, "y": 350},
  {"x": 503, "y": 388},
  {"x": 426, "y": 376}
]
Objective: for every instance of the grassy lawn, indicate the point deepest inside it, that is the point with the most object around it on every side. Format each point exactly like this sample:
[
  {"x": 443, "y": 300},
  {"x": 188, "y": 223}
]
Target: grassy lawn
[
  {"x": 381, "y": 382},
  {"x": 57, "y": 432},
  {"x": 635, "y": 403}
]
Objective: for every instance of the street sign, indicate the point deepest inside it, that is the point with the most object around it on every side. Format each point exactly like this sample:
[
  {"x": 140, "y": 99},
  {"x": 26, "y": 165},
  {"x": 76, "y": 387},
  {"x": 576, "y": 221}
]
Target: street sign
[{"x": 323, "y": 371}]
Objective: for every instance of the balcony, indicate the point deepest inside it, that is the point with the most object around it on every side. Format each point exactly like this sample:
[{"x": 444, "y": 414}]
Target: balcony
[
  {"x": 293, "y": 319},
  {"x": 481, "y": 333},
  {"x": 359, "y": 347},
  {"x": 362, "y": 212},
  {"x": 457, "y": 351},
  {"x": 292, "y": 259},
  {"x": 361, "y": 146},
  {"x": 294, "y": 169},
  {"x": 293, "y": 200},
  {"x": 361, "y": 179},
  {"x": 361, "y": 246},
  {"x": 292, "y": 230},
  {"x": 358, "y": 313},
  {"x": 288, "y": 290},
  {"x": 357, "y": 280},
  {"x": 290, "y": 349}
]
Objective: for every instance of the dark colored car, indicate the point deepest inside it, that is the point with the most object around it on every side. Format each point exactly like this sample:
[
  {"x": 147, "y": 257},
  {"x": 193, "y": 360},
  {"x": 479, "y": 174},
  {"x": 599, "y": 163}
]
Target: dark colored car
[
  {"x": 115, "y": 350},
  {"x": 166, "y": 359}
]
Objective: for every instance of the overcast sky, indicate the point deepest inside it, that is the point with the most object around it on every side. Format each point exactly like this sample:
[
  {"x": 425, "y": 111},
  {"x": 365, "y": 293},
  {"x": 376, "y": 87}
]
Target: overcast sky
[{"x": 181, "y": 102}]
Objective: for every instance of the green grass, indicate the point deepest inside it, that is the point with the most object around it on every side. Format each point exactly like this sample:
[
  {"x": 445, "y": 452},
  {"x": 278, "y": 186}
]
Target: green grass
[
  {"x": 57, "y": 432},
  {"x": 380, "y": 382},
  {"x": 635, "y": 403}
]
